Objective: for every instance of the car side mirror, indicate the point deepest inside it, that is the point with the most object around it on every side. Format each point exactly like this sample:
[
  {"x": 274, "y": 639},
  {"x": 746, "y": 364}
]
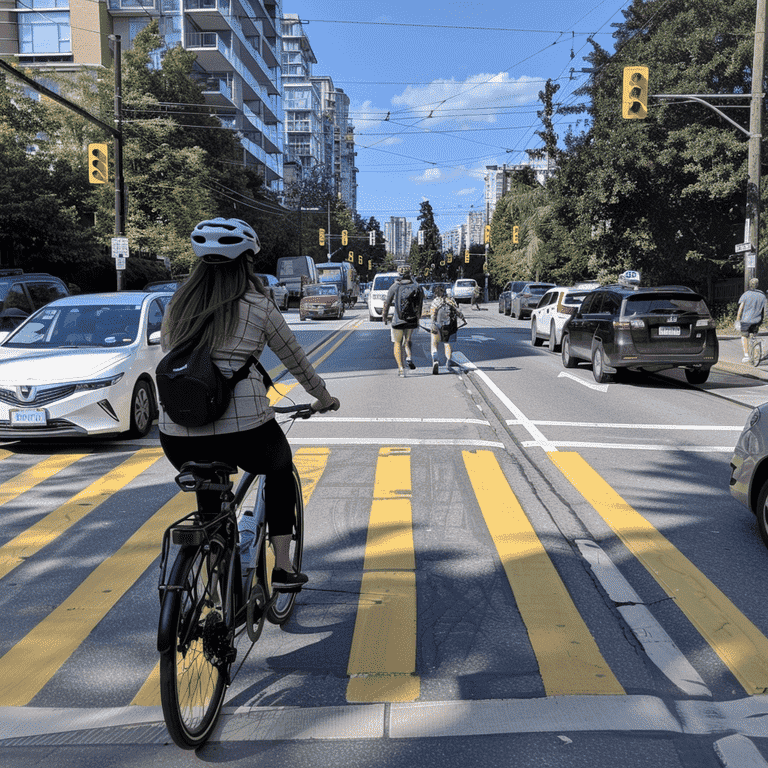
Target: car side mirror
[{"x": 154, "y": 337}]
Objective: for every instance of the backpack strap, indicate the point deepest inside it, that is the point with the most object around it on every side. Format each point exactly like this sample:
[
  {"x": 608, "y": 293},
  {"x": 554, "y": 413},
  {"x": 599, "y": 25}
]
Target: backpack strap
[{"x": 242, "y": 373}]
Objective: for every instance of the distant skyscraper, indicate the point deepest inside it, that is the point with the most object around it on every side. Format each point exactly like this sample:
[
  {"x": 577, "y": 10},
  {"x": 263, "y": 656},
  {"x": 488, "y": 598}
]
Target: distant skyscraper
[{"x": 398, "y": 234}]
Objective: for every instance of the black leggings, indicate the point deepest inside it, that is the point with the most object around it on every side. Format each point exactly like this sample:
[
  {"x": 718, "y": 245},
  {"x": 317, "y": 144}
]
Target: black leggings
[{"x": 263, "y": 451}]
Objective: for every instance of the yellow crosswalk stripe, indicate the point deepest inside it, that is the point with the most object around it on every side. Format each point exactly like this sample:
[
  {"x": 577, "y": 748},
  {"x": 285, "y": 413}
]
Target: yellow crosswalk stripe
[
  {"x": 311, "y": 463},
  {"x": 570, "y": 662},
  {"x": 29, "y": 665},
  {"x": 382, "y": 659},
  {"x": 35, "y": 475},
  {"x": 42, "y": 533},
  {"x": 5, "y": 454},
  {"x": 733, "y": 637}
]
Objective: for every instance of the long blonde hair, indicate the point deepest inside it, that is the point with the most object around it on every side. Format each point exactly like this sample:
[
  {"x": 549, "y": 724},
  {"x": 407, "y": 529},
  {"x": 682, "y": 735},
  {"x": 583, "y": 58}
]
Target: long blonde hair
[{"x": 206, "y": 304}]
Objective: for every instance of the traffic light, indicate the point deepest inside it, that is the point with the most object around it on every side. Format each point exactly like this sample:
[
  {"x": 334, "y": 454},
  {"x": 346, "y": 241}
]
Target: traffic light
[
  {"x": 359, "y": 259},
  {"x": 97, "y": 163},
  {"x": 466, "y": 257},
  {"x": 515, "y": 235},
  {"x": 372, "y": 237},
  {"x": 450, "y": 258},
  {"x": 634, "y": 104},
  {"x": 322, "y": 237},
  {"x": 344, "y": 238},
  {"x": 370, "y": 265},
  {"x": 351, "y": 257},
  {"x": 487, "y": 234}
]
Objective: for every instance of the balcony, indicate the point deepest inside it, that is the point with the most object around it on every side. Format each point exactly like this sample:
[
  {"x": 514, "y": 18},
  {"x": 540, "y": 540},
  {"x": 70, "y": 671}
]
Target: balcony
[
  {"x": 134, "y": 7},
  {"x": 217, "y": 90},
  {"x": 209, "y": 15},
  {"x": 213, "y": 51}
]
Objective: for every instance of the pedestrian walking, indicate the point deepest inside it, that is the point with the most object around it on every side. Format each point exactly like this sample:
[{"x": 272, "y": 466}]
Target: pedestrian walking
[
  {"x": 750, "y": 315},
  {"x": 406, "y": 296},
  {"x": 444, "y": 314},
  {"x": 476, "y": 293}
]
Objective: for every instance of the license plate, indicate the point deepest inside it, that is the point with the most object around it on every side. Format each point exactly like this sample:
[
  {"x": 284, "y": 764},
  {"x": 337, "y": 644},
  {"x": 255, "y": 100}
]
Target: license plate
[
  {"x": 669, "y": 330},
  {"x": 29, "y": 417}
]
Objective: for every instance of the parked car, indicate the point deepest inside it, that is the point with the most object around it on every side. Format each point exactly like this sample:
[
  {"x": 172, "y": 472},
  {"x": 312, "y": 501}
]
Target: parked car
[
  {"x": 527, "y": 299},
  {"x": 464, "y": 290},
  {"x": 749, "y": 468},
  {"x": 21, "y": 293},
  {"x": 163, "y": 285},
  {"x": 508, "y": 293},
  {"x": 379, "y": 287},
  {"x": 555, "y": 308},
  {"x": 83, "y": 365},
  {"x": 321, "y": 300},
  {"x": 276, "y": 290},
  {"x": 619, "y": 327}
]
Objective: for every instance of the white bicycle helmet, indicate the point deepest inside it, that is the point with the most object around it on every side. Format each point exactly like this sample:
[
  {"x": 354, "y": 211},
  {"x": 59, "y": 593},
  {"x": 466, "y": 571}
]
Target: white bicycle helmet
[{"x": 216, "y": 241}]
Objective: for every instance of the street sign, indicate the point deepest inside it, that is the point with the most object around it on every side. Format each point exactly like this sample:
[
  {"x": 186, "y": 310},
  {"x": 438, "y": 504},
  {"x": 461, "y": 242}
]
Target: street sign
[
  {"x": 750, "y": 262},
  {"x": 119, "y": 247},
  {"x": 119, "y": 262},
  {"x": 742, "y": 247}
]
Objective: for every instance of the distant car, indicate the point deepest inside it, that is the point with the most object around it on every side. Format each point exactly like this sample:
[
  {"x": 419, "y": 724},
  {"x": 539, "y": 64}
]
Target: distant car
[
  {"x": 555, "y": 308},
  {"x": 508, "y": 293},
  {"x": 379, "y": 287},
  {"x": 464, "y": 290},
  {"x": 646, "y": 329},
  {"x": 527, "y": 299},
  {"x": 83, "y": 365},
  {"x": 321, "y": 300},
  {"x": 277, "y": 290},
  {"x": 21, "y": 293},
  {"x": 749, "y": 468}
]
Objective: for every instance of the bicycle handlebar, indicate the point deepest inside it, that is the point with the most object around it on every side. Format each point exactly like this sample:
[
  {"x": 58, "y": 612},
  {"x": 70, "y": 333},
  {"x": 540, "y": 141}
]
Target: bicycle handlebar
[{"x": 302, "y": 410}]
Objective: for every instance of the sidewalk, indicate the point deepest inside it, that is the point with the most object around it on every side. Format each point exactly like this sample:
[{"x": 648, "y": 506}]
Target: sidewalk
[{"x": 731, "y": 355}]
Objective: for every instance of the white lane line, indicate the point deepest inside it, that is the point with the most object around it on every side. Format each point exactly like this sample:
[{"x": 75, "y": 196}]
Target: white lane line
[
  {"x": 657, "y": 644},
  {"x": 393, "y": 419},
  {"x": 583, "y": 382},
  {"x": 605, "y": 425},
  {"x": 634, "y": 446},
  {"x": 390, "y": 441},
  {"x": 738, "y": 751},
  {"x": 522, "y": 419}
]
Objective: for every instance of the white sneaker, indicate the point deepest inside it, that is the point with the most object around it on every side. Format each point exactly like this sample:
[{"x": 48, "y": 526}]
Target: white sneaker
[{"x": 745, "y": 359}]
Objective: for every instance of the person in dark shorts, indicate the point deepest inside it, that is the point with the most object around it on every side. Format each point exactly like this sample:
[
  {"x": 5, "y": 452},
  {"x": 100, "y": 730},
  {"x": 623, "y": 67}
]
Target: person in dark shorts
[{"x": 750, "y": 315}]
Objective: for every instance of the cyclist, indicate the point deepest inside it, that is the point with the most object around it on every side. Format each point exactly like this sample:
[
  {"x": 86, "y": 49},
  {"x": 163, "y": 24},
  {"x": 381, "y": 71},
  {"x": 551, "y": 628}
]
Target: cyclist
[
  {"x": 751, "y": 313},
  {"x": 226, "y": 306}
]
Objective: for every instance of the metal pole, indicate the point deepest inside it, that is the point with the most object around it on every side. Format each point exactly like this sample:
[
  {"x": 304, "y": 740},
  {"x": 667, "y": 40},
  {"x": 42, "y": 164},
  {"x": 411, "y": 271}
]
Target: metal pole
[
  {"x": 752, "y": 224},
  {"x": 119, "y": 179},
  {"x": 328, "y": 236}
]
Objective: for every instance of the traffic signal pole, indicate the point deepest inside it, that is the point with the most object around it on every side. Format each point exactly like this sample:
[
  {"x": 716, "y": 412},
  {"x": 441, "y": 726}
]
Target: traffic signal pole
[{"x": 119, "y": 179}]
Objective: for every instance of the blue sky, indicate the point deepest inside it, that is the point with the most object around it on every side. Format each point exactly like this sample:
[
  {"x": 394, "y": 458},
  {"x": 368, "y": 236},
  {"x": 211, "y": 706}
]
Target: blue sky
[{"x": 460, "y": 81}]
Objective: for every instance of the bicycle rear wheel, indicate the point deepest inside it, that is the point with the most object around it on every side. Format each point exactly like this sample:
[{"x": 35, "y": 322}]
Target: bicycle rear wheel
[
  {"x": 195, "y": 659},
  {"x": 756, "y": 353},
  {"x": 282, "y": 607}
]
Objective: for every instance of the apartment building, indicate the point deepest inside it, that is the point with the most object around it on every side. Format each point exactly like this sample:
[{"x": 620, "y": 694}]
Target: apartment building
[
  {"x": 475, "y": 228},
  {"x": 237, "y": 43},
  {"x": 498, "y": 179},
  {"x": 398, "y": 236}
]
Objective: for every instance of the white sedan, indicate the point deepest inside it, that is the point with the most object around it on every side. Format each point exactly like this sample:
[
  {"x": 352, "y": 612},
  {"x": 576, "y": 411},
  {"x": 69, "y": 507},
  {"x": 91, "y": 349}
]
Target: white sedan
[
  {"x": 555, "y": 308},
  {"x": 83, "y": 365}
]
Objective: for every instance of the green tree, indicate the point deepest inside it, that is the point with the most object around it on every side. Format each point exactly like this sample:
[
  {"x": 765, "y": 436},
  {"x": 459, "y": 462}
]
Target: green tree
[{"x": 427, "y": 255}]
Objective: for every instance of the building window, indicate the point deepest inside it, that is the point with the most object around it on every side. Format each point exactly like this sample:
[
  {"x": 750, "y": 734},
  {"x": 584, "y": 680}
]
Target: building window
[{"x": 44, "y": 31}]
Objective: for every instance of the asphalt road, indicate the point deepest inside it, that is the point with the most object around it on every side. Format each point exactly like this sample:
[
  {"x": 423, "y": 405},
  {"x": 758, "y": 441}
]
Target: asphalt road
[{"x": 510, "y": 565}]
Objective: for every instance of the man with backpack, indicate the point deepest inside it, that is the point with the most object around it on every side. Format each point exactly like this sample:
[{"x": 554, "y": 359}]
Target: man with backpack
[
  {"x": 751, "y": 314},
  {"x": 444, "y": 313},
  {"x": 406, "y": 296}
]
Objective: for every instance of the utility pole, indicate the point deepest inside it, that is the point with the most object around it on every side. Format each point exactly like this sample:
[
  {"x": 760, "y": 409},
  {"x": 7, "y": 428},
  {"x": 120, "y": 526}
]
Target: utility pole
[
  {"x": 119, "y": 179},
  {"x": 752, "y": 223}
]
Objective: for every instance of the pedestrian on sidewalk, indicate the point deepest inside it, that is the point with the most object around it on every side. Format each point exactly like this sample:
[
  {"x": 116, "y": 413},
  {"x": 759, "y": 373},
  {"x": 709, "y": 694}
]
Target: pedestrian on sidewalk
[
  {"x": 476, "y": 293},
  {"x": 406, "y": 296},
  {"x": 444, "y": 314},
  {"x": 750, "y": 315}
]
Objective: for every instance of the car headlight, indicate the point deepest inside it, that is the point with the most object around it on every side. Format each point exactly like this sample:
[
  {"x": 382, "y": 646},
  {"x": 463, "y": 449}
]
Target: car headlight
[
  {"x": 754, "y": 417},
  {"x": 87, "y": 386}
]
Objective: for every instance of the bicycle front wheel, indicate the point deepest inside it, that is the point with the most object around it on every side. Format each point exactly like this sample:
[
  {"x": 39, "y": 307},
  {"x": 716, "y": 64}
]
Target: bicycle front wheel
[
  {"x": 282, "y": 606},
  {"x": 756, "y": 353},
  {"x": 194, "y": 664}
]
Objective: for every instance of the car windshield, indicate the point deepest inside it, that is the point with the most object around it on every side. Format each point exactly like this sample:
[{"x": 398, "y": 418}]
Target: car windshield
[
  {"x": 660, "y": 304},
  {"x": 384, "y": 282},
  {"x": 465, "y": 283},
  {"x": 89, "y": 325},
  {"x": 329, "y": 275},
  {"x": 574, "y": 299},
  {"x": 538, "y": 290},
  {"x": 320, "y": 290}
]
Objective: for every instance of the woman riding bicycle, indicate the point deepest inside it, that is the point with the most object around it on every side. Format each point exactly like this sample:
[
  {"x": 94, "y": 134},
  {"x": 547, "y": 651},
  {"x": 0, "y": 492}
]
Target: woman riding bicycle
[{"x": 224, "y": 305}]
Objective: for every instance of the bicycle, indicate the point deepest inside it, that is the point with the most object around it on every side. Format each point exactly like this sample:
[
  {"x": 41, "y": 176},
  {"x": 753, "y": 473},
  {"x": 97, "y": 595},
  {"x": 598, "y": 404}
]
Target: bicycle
[
  {"x": 755, "y": 350},
  {"x": 219, "y": 581}
]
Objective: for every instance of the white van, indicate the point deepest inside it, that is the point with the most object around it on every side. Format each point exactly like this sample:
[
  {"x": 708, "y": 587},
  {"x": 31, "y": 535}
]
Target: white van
[
  {"x": 378, "y": 292},
  {"x": 295, "y": 272}
]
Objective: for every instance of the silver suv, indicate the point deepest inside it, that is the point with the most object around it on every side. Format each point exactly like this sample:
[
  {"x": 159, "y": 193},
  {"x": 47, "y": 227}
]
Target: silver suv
[{"x": 22, "y": 293}]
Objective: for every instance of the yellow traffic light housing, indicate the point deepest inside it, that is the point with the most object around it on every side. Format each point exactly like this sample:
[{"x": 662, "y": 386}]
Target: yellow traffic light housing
[
  {"x": 634, "y": 103},
  {"x": 344, "y": 238},
  {"x": 97, "y": 163},
  {"x": 322, "y": 237},
  {"x": 466, "y": 257},
  {"x": 515, "y": 235},
  {"x": 487, "y": 234},
  {"x": 351, "y": 257}
]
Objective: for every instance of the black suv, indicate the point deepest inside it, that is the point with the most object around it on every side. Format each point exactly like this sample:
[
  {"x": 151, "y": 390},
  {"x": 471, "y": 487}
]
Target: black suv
[
  {"x": 22, "y": 293},
  {"x": 646, "y": 329}
]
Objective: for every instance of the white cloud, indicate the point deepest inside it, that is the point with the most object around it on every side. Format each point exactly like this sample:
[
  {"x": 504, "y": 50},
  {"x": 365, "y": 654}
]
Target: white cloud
[
  {"x": 467, "y": 191},
  {"x": 430, "y": 175},
  {"x": 479, "y": 98},
  {"x": 438, "y": 176}
]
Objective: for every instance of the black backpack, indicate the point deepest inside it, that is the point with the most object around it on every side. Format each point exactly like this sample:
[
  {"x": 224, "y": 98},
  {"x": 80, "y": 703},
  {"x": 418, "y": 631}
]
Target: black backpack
[
  {"x": 193, "y": 390},
  {"x": 446, "y": 320},
  {"x": 408, "y": 301}
]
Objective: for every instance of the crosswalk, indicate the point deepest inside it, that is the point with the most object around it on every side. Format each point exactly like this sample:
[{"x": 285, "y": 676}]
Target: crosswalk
[{"x": 382, "y": 653}]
